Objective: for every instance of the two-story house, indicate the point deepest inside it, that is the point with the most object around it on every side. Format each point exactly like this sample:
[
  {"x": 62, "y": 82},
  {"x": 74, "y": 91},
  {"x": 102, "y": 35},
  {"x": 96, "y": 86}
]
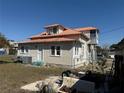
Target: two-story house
[{"x": 62, "y": 46}]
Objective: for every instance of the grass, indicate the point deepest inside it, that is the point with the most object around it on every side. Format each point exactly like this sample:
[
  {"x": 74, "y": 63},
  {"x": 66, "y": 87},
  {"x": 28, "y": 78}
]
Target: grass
[
  {"x": 6, "y": 58},
  {"x": 15, "y": 75}
]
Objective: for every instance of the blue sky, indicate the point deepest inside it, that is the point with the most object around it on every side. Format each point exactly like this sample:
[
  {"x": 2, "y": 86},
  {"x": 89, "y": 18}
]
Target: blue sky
[{"x": 20, "y": 19}]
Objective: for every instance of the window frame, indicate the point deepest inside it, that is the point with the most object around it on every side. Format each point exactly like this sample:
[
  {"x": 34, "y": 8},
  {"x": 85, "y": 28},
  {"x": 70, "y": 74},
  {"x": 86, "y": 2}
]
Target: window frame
[
  {"x": 76, "y": 51},
  {"x": 52, "y": 50},
  {"x": 26, "y": 49},
  {"x": 55, "y": 50},
  {"x": 54, "y": 30},
  {"x": 22, "y": 49},
  {"x": 58, "y": 50}
]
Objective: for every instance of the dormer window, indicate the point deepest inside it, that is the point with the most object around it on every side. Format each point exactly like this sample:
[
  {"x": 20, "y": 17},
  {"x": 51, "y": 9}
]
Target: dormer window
[{"x": 54, "y": 29}]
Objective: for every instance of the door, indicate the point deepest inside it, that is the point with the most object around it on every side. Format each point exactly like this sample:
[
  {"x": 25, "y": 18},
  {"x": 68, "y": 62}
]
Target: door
[{"x": 39, "y": 53}]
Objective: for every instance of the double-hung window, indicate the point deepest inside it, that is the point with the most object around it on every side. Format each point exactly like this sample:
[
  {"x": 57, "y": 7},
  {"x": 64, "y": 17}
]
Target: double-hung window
[
  {"x": 22, "y": 49},
  {"x": 52, "y": 50},
  {"x": 58, "y": 50},
  {"x": 26, "y": 49},
  {"x": 55, "y": 51},
  {"x": 76, "y": 50}
]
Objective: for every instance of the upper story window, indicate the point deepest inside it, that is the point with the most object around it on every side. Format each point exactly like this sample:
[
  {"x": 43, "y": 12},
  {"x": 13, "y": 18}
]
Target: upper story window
[
  {"x": 53, "y": 30},
  {"x": 93, "y": 33}
]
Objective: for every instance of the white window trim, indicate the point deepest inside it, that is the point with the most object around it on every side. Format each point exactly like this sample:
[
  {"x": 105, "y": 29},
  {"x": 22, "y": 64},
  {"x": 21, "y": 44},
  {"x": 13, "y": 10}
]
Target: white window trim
[
  {"x": 76, "y": 50},
  {"x": 56, "y": 51},
  {"x": 76, "y": 55},
  {"x": 24, "y": 50}
]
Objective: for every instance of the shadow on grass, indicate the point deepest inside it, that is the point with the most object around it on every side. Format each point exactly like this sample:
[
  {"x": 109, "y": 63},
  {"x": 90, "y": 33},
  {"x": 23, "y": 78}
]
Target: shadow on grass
[{"x": 5, "y": 62}]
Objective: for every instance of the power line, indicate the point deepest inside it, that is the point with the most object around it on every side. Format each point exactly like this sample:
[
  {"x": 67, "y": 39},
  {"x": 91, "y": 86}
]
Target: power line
[
  {"x": 115, "y": 29},
  {"x": 110, "y": 37}
]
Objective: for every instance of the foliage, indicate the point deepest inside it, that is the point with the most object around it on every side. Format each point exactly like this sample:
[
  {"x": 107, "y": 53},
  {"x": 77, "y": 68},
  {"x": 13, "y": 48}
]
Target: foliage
[
  {"x": 105, "y": 50},
  {"x": 12, "y": 51},
  {"x": 99, "y": 49},
  {"x": 101, "y": 65},
  {"x": 3, "y": 41}
]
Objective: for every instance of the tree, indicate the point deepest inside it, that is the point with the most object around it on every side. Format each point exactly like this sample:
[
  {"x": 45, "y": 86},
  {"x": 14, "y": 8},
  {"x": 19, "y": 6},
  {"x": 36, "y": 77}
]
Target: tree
[
  {"x": 99, "y": 50},
  {"x": 105, "y": 50},
  {"x": 3, "y": 41}
]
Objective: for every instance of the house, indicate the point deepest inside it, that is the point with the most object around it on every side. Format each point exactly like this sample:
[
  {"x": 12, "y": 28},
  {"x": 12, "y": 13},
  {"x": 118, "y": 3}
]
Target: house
[
  {"x": 13, "y": 43},
  {"x": 112, "y": 51},
  {"x": 119, "y": 48},
  {"x": 62, "y": 46},
  {"x": 2, "y": 51}
]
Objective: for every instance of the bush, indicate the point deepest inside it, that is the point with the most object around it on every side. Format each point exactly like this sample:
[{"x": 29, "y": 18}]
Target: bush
[
  {"x": 12, "y": 51},
  {"x": 38, "y": 63}
]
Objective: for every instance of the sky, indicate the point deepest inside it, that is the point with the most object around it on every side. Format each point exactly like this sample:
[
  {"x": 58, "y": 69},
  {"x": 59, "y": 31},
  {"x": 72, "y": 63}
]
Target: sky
[{"x": 20, "y": 19}]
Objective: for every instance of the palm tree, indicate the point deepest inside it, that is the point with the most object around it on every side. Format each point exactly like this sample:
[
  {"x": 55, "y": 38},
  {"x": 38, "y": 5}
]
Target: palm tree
[{"x": 3, "y": 41}]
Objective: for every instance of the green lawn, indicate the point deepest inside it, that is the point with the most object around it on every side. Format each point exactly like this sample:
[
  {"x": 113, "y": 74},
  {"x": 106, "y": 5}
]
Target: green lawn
[{"x": 15, "y": 75}]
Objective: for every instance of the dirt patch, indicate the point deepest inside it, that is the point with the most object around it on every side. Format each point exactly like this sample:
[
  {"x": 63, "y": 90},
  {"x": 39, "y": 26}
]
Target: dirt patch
[{"x": 13, "y": 76}]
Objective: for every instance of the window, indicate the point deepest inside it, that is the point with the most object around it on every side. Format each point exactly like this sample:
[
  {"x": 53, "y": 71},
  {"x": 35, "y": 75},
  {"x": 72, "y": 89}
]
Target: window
[
  {"x": 54, "y": 30},
  {"x": 82, "y": 50},
  {"x": 55, "y": 50},
  {"x": 22, "y": 49},
  {"x": 58, "y": 50},
  {"x": 76, "y": 50},
  {"x": 93, "y": 33},
  {"x": 26, "y": 49},
  {"x": 52, "y": 50}
]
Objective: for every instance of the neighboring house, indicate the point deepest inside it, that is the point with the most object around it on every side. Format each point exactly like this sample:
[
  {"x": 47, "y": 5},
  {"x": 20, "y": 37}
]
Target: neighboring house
[
  {"x": 120, "y": 48},
  {"x": 112, "y": 51},
  {"x": 13, "y": 44},
  {"x": 13, "y": 47},
  {"x": 62, "y": 46},
  {"x": 2, "y": 51}
]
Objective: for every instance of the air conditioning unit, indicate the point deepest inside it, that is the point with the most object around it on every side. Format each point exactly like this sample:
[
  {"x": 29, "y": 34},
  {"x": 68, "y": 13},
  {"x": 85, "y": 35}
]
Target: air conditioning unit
[{"x": 26, "y": 59}]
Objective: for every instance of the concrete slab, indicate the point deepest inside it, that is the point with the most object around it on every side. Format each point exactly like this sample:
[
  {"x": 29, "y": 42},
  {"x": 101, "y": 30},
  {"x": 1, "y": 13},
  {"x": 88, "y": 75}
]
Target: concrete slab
[{"x": 31, "y": 86}]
